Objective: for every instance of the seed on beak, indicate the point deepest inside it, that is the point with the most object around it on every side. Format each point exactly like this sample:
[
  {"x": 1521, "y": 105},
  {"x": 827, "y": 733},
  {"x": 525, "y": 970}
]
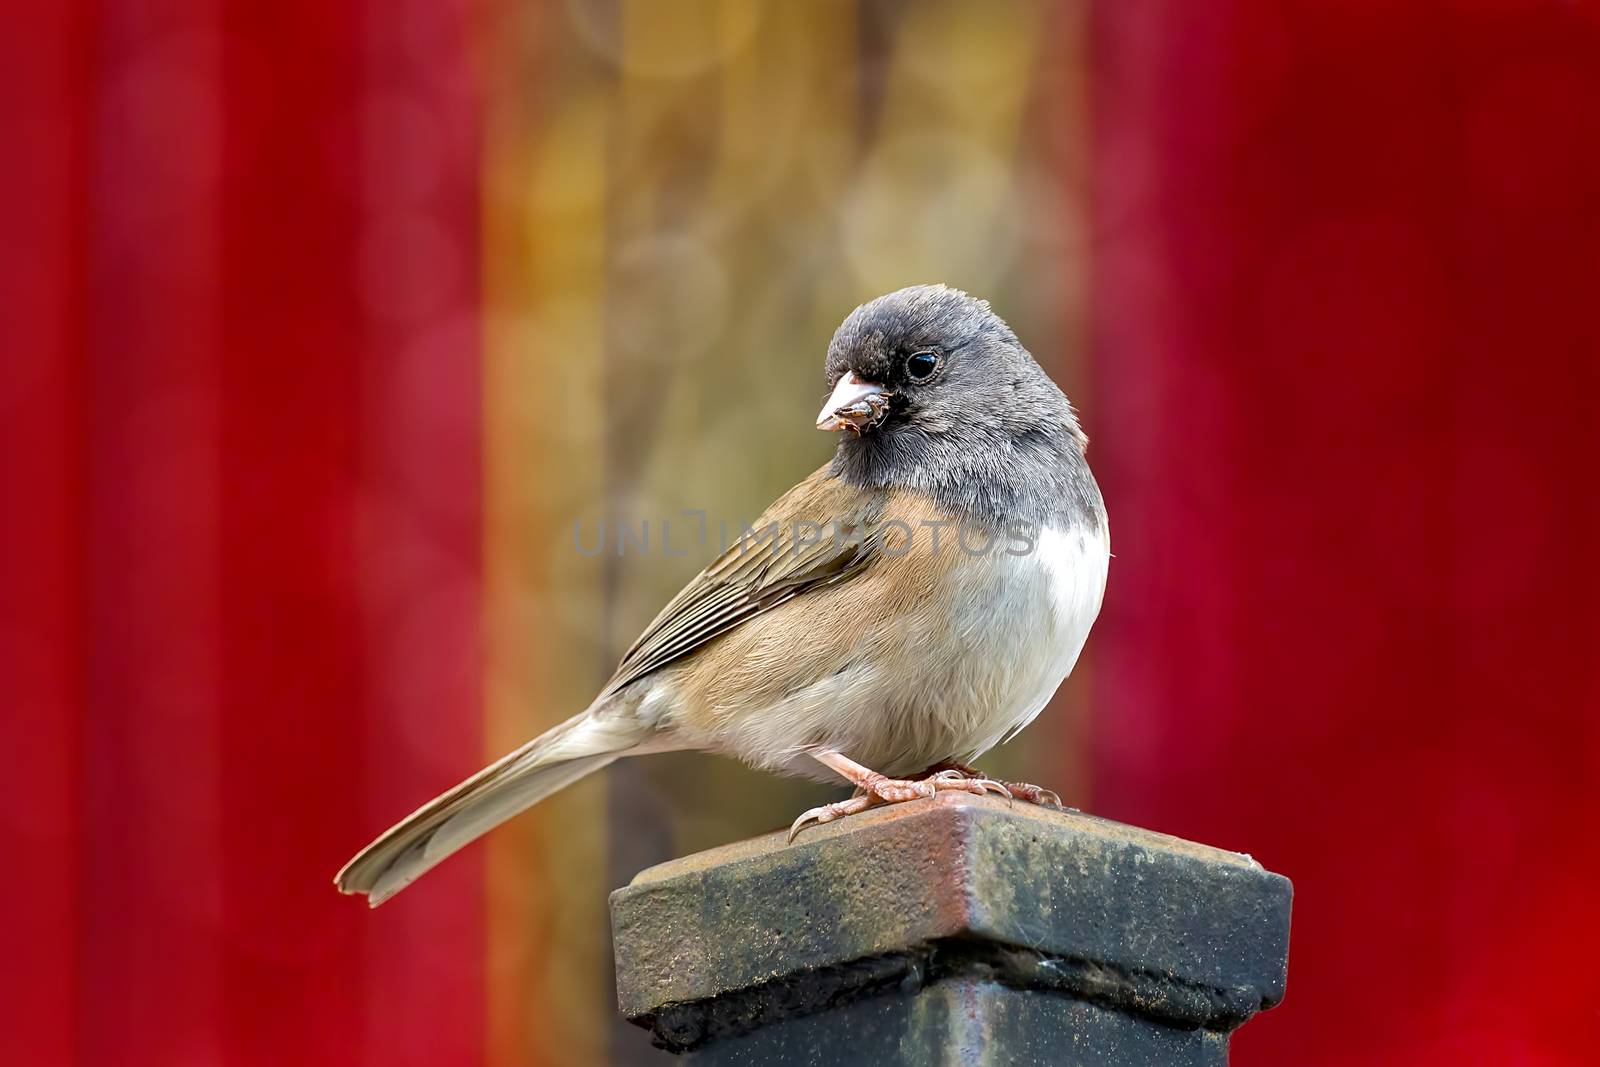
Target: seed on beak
[
  {"x": 863, "y": 412},
  {"x": 854, "y": 405}
]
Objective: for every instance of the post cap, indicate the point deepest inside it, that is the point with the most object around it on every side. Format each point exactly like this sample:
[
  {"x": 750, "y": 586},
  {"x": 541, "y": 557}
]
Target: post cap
[{"x": 732, "y": 939}]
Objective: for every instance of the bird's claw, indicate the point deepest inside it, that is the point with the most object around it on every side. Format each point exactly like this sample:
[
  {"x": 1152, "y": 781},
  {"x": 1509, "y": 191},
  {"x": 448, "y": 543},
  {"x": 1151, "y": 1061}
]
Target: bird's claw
[
  {"x": 829, "y": 812},
  {"x": 1033, "y": 794}
]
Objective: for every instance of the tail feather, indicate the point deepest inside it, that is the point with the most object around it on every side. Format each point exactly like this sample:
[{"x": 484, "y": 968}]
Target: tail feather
[{"x": 550, "y": 762}]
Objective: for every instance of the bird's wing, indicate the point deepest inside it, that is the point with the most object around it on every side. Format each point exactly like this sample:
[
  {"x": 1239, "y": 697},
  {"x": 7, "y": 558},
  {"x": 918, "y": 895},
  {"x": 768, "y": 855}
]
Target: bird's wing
[{"x": 821, "y": 532}]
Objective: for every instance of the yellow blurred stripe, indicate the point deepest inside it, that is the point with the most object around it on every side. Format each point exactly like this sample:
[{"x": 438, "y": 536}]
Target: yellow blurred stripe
[{"x": 544, "y": 176}]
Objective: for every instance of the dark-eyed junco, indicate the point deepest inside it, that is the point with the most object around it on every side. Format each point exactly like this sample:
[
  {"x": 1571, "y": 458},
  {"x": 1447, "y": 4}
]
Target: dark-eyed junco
[{"x": 895, "y": 615}]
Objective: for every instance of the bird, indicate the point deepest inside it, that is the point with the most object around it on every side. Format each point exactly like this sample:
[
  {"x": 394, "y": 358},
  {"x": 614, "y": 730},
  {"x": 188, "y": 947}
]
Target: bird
[{"x": 908, "y": 606}]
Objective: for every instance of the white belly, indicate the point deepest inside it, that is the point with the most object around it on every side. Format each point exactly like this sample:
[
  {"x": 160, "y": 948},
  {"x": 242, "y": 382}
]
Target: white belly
[{"x": 1047, "y": 601}]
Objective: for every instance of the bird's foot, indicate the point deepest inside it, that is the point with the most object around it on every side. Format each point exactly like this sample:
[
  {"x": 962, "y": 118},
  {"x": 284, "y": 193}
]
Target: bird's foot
[
  {"x": 876, "y": 789},
  {"x": 1032, "y": 794}
]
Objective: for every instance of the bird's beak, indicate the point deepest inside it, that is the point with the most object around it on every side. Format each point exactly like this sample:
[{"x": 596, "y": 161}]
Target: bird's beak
[{"x": 854, "y": 404}]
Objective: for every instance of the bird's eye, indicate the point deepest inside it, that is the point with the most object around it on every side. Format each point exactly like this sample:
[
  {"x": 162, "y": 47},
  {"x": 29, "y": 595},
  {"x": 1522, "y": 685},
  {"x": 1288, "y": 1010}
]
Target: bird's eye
[{"x": 921, "y": 365}]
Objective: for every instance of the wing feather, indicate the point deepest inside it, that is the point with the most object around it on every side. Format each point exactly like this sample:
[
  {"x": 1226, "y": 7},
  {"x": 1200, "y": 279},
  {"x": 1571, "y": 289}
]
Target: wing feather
[{"x": 821, "y": 532}]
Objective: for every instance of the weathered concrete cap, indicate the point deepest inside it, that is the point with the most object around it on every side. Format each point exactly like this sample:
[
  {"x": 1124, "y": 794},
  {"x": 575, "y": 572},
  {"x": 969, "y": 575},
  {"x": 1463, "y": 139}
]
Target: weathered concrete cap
[{"x": 736, "y": 938}]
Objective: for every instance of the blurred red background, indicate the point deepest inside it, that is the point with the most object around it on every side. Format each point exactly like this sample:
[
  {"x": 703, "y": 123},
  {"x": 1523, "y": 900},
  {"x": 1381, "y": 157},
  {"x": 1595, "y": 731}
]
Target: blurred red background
[{"x": 1335, "y": 262}]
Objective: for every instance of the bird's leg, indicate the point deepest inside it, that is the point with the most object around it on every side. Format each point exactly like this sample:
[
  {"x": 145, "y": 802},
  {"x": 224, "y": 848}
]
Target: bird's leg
[
  {"x": 895, "y": 790},
  {"x": 1033, "y": 794},
  {"x": 881, "y": 789}
]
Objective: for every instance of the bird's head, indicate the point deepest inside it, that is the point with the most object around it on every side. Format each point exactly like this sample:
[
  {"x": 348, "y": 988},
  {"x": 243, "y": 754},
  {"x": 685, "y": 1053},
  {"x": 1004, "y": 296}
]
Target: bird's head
[{"x": 931, "y": 361}]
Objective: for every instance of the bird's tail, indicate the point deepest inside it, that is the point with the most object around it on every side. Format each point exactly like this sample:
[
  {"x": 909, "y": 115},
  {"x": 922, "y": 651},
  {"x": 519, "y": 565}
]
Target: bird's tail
[{"x": 552, "y": 761}]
